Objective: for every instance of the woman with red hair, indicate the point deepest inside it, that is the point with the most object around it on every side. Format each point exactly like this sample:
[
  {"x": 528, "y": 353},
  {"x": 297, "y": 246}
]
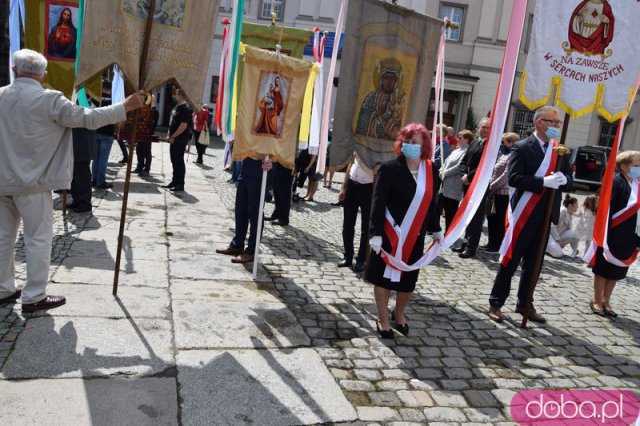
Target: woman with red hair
[{"x": 402, "y": 213}]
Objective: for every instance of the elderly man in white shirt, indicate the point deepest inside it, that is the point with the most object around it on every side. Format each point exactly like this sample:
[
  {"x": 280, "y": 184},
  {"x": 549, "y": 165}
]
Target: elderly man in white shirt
[{"x": 36, "y": 158}]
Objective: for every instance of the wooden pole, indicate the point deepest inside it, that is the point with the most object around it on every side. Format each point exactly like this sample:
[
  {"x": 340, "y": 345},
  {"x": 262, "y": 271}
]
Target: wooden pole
[
  {"x": 544, "y": 235},
  {"x": 132, "y": 143}
]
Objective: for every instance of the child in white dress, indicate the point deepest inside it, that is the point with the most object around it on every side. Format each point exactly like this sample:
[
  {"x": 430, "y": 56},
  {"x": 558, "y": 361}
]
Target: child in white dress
[{"x": 586, "y": 221}]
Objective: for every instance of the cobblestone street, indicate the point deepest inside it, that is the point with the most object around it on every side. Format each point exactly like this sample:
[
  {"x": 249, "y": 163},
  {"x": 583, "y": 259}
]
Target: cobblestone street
[{"x": 191, "y": 338}]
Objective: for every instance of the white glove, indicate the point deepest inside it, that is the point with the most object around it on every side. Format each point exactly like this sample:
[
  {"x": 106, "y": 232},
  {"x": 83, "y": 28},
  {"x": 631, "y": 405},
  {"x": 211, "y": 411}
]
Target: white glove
[
  {"x": 561, "y": 179},
  {"x": 438, "y": 236},
  {"x": 550, "y": 182},
  {"x": 376, "y": 243}
]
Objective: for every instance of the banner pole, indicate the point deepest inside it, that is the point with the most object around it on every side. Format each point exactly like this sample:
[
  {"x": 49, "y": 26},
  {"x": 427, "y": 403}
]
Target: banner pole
[
  {"x": 132, "y": 144},
  {"x": 542, "y": 243},
  {"x": 256, "y": 254}
]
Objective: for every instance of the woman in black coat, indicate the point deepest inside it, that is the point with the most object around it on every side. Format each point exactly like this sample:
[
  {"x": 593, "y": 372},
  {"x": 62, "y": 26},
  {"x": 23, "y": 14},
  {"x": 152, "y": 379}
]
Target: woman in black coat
[
  {"x": 395, "y": 189},
  {"x": 622, "y": 238}
]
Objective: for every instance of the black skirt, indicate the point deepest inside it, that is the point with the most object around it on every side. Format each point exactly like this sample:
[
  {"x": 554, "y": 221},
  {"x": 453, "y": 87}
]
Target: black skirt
[
  {"x": 375, "y": 271},
  {"x": 606, "y": 269}
]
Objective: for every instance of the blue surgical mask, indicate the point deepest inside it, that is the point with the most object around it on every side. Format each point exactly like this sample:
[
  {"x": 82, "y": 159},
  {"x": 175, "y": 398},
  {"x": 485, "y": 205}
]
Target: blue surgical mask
[
  {"x": 634, "y": 173},
  {"x": 411, "y": 151},
  {"x": 552, "y": 132}
]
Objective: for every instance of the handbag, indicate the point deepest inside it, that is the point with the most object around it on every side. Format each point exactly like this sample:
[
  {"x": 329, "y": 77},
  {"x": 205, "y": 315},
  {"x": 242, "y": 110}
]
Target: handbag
[
  {"x": 490, "y": 204},
  {"x": 204, "y": 138}
]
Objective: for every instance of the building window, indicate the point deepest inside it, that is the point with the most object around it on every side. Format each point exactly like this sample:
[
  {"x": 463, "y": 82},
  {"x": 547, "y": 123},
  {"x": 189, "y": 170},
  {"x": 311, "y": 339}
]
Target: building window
[
  {"x": 456, "y": 15},
  {"x": 608, "y": 133},
  {"x": 269, "y": 6},
  {"x": 522, "y": 121}
]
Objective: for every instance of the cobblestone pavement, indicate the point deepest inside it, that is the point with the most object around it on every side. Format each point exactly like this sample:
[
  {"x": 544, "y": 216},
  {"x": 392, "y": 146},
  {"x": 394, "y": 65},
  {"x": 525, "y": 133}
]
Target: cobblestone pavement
[{"x": 456, "y": 366}]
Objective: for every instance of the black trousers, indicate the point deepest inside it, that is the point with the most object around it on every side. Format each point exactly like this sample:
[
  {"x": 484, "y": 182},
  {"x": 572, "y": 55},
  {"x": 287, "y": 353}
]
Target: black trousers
[
  {"x": 474, "y": 229},
  {"x": 450, "y": 209},
  {"x": 81, "y": 184},
  {"x": 526, "y": 250},
  {"x": 143, "y": 154},
  {"x": 356, "y": 196},
  {"x": 246, "y": 214},
  {"x": 495, "y": 222},
  {"x": 123, "y": 149},
  {"x": 282, "y": 182},
  {"x": 176, "y": 152}
]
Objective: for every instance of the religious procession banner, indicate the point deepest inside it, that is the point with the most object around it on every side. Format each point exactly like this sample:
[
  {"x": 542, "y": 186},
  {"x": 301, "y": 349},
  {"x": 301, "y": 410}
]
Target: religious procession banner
[
  {"x": 589, "y": 51},
  {"x": 51, "y": 28},
  {"x": 292, "y": 40},
  {"x": 385, "y": 79},
  {"x": 270, "y": 106},
  {"x": 179, "y": 44}
]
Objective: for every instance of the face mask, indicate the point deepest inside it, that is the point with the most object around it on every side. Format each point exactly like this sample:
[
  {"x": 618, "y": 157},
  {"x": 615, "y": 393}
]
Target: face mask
[
  {"x": 411, "y": 151},
  {"x": 552, "y": 132},
  {"x": 634, "y": 173}
]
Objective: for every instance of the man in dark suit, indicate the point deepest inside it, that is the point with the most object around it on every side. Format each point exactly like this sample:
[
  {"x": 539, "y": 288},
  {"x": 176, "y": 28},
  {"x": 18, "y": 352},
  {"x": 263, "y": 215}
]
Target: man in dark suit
[
  {"x": 526, "y": 157},
  {"x": 468, "y": 167}
]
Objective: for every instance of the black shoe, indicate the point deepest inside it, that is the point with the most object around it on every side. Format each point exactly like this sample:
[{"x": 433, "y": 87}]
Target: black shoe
[
  {"x": 281, "y": 223},
  {"x": 137, "y": 170},
  {"x": 338, "y": 204},
  {"x": 459, "y": 249},
  {"x": 492, "y": 250},
  {"x": 359, "y": 267},
  {"x": 93, "y": 184},
  {"x": 169, "y": 185},
  {"x": 48, "y": 302},
  {"x": 177, "y": 189},
  {"x": 468, "y": 253},
  {"x": 123, "y": 161},
  {"x": 71, "y": 205},
  {"x": 270, "y": 219},
  {"x": 105, "y": 185},
  {"x": 402, "y": 328},
  {"x": 144, "y": 174},
  {"x": 385, "y": 334},
  {"x": 345, "y": 263},
  {"x": 599, "y": 312}
]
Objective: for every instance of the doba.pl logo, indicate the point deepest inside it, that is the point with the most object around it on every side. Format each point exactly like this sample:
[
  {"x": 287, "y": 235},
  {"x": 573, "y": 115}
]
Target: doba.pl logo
[{"x": 575, "y": 407}]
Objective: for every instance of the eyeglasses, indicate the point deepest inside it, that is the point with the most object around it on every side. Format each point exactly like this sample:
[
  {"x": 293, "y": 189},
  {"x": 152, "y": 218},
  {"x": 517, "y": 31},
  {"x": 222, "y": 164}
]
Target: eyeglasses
[{"x": 554, "y": 122}]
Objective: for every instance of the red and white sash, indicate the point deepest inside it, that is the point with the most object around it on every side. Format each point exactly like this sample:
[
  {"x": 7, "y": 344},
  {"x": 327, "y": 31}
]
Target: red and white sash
[
  {"x": 403, "y": 237},
  {"x": 527, "y": 203},
  {"x": 633, "y": 205}
]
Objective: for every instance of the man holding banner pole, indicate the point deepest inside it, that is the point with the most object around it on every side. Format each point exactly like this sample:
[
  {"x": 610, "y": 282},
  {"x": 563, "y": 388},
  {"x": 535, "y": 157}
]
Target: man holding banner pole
[{"x": 533, "y": 178}]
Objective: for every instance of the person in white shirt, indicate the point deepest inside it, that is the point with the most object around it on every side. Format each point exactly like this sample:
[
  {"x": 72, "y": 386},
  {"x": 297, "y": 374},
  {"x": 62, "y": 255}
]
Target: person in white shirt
[
  {"x": 35, "y": 158},
  {"x": 562, "y": 232}
]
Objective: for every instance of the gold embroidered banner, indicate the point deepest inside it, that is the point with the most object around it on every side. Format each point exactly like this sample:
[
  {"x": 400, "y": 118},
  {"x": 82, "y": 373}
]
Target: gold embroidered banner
[
  {"x": 179, "y": 43},
  {"x": 387, "y": 67},
  {"x": 270, "y": 106}
]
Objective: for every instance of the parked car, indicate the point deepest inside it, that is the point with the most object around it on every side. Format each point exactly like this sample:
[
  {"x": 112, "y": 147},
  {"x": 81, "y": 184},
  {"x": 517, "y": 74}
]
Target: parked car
[{"x": 588, "y": 164}]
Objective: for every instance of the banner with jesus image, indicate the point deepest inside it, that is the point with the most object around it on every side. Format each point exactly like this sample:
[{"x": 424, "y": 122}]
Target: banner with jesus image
[{"x": 270, "y": 106}]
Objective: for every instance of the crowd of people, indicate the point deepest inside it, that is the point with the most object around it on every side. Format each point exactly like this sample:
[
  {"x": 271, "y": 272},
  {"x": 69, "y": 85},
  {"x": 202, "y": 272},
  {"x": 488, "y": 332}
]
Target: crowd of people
[{"x": 401, "y": 201}]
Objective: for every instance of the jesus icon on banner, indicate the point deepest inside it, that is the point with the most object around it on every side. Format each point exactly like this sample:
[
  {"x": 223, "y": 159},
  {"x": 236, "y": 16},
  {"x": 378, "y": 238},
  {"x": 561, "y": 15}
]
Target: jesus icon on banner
[{"x": 591, "y": 28}]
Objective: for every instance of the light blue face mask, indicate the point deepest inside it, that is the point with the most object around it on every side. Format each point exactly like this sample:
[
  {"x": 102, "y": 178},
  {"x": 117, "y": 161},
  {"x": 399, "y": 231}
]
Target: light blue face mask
[
  {"x": 552, "y": 132},
  {"x": 411, "y": 151},
  {"x": 634, "y": 173}
]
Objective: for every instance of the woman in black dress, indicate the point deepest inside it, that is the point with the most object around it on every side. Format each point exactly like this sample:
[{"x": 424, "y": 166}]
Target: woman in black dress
[
  {"x": 395, "y": 189},
  {"x": 622, "y": 240}
]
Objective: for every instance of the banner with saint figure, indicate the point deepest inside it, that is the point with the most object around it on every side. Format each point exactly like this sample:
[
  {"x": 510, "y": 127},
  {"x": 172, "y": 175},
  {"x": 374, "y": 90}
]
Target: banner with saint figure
[
  {"x": 588, "y": 51},
  {"x": 270, "y": 106},
  {"x": 179, "y": 44},
  {"x": 387, "y": 67}
]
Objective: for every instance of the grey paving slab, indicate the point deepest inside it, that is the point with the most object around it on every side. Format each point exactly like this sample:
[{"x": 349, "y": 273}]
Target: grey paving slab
[
  {"x": 206, "y": 235},
  {"x": 131, "y": 248},
  {"x": 266, "y": 387},
  {"x": 97, "y": 301},
  {"x": 208, "y": 324},
  {"x": 211, "y": 267},
  {"x": 90, "y": 347},
  {"x": 97, "y": 270},
  {"x": 230, "y": 291},
  {"x": 136, "y": 401}
]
